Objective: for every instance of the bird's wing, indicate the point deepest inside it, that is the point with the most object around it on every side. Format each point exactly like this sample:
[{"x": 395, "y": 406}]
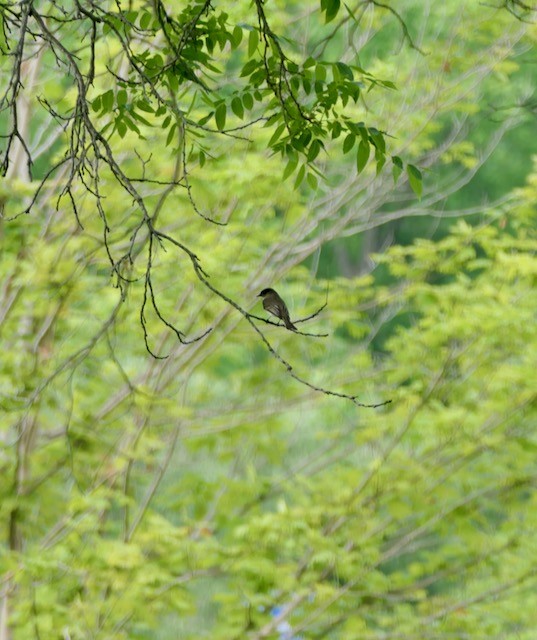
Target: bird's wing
[{"x": 273, "y": 307}]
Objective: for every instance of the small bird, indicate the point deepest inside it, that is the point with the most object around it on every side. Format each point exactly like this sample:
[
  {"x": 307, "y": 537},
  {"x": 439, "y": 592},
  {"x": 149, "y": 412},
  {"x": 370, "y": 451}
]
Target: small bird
[{"x": 275, "y": 305}]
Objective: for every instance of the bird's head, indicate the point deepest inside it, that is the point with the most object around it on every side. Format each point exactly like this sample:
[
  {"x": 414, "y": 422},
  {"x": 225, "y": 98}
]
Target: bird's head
[{"x": 265, "y": 292}]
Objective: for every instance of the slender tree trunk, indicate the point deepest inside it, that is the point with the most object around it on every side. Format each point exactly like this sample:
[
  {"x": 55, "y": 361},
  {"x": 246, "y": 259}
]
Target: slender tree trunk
[
  {"x": 19, "y": 168},
  {"x": 18, "y": 157}
]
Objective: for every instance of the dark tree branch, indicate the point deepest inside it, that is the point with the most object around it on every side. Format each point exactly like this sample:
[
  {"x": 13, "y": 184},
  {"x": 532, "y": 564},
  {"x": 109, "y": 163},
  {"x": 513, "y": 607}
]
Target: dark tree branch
[
  {"x": 302, "y": 333},
  {"x": 90, "y": 147},
  {"x": 406, "y": 32},
  {"x": 514, "y": 7},
  {"x": 203, "y": 277}
]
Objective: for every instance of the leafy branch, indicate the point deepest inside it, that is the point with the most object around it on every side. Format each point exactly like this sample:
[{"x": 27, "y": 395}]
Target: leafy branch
[{"x": 147, "y": 83}]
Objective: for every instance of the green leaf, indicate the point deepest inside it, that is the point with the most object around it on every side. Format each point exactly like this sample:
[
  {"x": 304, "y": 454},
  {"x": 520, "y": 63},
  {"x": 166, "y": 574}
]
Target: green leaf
[
  {"x": 360, "y": 129},
  {"x": 336, "y": 130},
  {"x": 220, "y": 116},
  {"x": 290, "y": 167},
  {"x": 144, "y": 106},
  {"x": 415, "y": 179},
  {"x": 131, "y": 16},
  {"x": 348, "y": 143},
  {"x": 305, "y": 138},
  {"x": 388, "y": 84},
  {"x": 247, "y": 101},
  {"x": 155, "y": 63},
  {"x": 292, "y": 67},
  {"x": 237, "y": 107},
  {"x": 276, "y": 135},
  {"x": 249, "y": 67},
  {"x": 397, "y": 168},
  {"x": 381, "y": 160},
  {"x": 140, "y": 118},
  {"x": 145, "y": 20},
  {"x": 363, "y": 133},
  {"x": 331, "y": 8},
  {"x": 171, "y": 133},
  {"x": 131, "y": 125},
  {"x": 297, "y": 144},
  {"x": 121, "y": 127},
  {"x": 320, "y": 72},
  {"x": 173, "y": 81},
  {"x": 237, "y": 36},
  {"x": 362, "y": 155},
  {"x": 314, "y": 149},
  {"x": 206, "y": 118},
  {"x": 107, "y": 100},
  {"x": 273, "y": 119},
  {"x": 312, "y": 180},
  {"x": 345, "y": 70},
  {"x": 253, "y": 41},
  {"x": 121, "y": 98},
  {"x": 378, "y": 139},
  {"x": 300, "y": 176}
]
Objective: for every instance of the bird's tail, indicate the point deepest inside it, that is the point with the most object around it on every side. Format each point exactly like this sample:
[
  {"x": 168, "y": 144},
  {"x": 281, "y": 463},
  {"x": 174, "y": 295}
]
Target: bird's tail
[{"x": 289, "y": 325}]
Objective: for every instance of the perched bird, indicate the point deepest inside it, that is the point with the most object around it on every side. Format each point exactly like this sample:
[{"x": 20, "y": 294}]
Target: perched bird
[{"x": 275, "y": 305}]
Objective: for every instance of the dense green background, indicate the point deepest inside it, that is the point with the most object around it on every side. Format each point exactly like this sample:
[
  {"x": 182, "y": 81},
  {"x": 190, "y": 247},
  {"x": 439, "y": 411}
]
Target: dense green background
[{"x": 210, "y": 494}]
